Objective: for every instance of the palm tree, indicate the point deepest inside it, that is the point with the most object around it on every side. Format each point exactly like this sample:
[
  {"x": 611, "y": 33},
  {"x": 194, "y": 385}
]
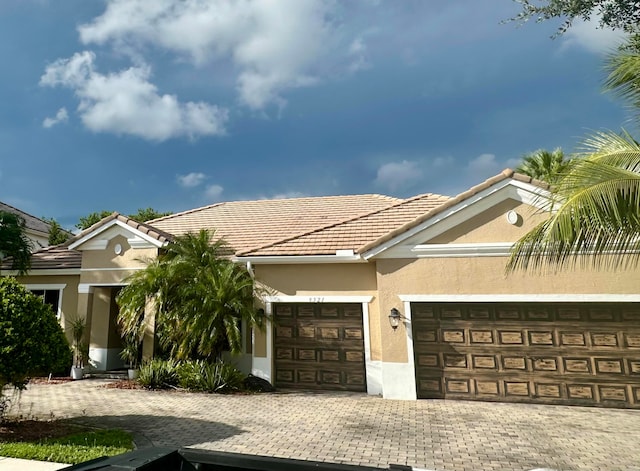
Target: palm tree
[
  {"x": 624, "y": 73},
  {"x": 596, "y": 217},
  {"x": 596, "y": 202},
  {"x": 200, "y": 297},
  {"x": 544, "y": 165},
  {"x": 14, "y": 243}
]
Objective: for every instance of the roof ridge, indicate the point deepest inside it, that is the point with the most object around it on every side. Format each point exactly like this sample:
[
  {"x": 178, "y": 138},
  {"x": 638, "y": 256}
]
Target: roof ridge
[
  {"x": 187, "y": 211},
  {"x": 320, "y": 228}
]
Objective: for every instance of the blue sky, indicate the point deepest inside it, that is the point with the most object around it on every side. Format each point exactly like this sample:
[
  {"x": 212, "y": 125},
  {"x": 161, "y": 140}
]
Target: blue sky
[{"x": 175, "y": 104}]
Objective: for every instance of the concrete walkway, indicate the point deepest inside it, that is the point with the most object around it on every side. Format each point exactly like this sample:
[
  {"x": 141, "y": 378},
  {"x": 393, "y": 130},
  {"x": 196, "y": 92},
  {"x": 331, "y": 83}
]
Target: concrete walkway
[{"x": 355, "y": 428}]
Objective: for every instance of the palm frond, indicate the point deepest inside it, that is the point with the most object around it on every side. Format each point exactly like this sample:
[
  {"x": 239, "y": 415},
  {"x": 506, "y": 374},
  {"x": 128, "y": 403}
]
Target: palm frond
[{"x": 596, "y": 218}]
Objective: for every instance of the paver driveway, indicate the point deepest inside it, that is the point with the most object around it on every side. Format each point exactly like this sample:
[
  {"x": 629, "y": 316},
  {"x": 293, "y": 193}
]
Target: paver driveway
[{"x": 356, "y": 428}]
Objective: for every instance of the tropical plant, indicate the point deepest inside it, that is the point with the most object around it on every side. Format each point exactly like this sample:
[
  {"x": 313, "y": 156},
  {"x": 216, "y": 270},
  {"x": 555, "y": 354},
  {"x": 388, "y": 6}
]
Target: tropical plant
[
  {"x": 216, "y": 377},
  {"x": 131, "y": 350},
  {"x": 544, "y": 165},
  {"x": 198, "y": 296},
  {"x": 158, "y": 374},
  {"x": 14, "y": 242},
  {"x": 78, "y": 326},
  {"x": 623, "y": 67},
  {"x": 595, "y": 211},
  {"x": 31, "y": 339}
]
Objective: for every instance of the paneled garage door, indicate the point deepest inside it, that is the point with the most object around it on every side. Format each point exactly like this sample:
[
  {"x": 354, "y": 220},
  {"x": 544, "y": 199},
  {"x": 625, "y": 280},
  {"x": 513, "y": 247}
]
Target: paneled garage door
[
  {"x": 319, "y": 346},
  {"x": 584, "y": 354}
]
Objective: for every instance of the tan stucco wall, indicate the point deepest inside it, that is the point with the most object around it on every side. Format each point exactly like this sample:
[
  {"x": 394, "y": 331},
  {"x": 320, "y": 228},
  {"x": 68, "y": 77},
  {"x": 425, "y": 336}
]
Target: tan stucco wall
[
  {"x": 106, "y": 267},
  {"x": 492, "y": 225},
  {"x": 322, "y": 280},
  {"x": 69, "y": 294}
]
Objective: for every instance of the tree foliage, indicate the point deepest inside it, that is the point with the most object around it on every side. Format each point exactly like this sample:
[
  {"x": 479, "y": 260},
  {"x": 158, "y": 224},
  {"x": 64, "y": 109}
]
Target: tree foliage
[
  {"x": 544, "y": 165},
  {"x": 147, "y": 214},
  {"x": 596, "y": 211},
  {"x": 31, "y": 339},
  {"x": 199, "y": 298},
  {"x": 14, "y": 242},
  {"x": 141, "y": 215},
  {"x": 623, "y": 67},
  {"x": 615, "y": 14},
  {"x": 89, "y": 220},
  {"x": 57, "y": 235}
]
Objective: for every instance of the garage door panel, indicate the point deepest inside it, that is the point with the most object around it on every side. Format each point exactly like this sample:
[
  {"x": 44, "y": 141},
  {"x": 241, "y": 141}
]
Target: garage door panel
[
  {"x": 319, "y": 346},
  {"x": 564, "y": 354}
]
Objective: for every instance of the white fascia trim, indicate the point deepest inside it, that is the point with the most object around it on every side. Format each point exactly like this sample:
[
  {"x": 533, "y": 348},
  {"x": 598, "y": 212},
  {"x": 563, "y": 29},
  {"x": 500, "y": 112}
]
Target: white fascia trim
[
  {"x": 299, "y": 259},
  {"x": 96, "y": 245},
  {"x": 530, "y": 298},
  {"x": 46, "y": 271},
  {"x": 318, "y": 299},
  {"x": 85, "y": 288},
  {"x": 45, "y": 286},
  {"x": 519, "y": 191},
  {"x": 116, "y": 222},
  {"x": 490, "y": 249}
]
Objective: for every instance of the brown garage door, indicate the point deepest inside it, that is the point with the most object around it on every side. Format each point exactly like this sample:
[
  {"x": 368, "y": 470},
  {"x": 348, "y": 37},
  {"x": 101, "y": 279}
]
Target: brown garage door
[
  {"x": 585, "y": 354},
  {"x": 319, "y": 346}
]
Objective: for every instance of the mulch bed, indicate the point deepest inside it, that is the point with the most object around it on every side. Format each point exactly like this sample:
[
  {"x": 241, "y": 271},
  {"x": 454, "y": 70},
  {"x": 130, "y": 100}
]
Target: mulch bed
[
  {"x": 34, "y": 430},
  {"x": 123, "y": 384},
  {"x": 54, "y": 380}
]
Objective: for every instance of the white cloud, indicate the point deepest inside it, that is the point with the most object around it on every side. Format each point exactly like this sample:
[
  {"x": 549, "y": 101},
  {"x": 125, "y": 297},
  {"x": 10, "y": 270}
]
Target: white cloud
[
  {"x": 358, "y": 53},
  {"x": 483, "y": 164},
  {"x": 275, "y": 45},
  {"x": 61, "y": 117},
  {"x": 395, "y": 175},
  {"x": 213, "y": 192},
  {"x": 126, "y": 102},
  {"x": 191, "y": 180},
  {"x": 587, "y": 35}
]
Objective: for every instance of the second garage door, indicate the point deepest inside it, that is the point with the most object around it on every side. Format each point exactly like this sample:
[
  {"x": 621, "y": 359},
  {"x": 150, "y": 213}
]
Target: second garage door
[
  {"x": 586, "y": 354},
  {"x": 319, "y": 346}
]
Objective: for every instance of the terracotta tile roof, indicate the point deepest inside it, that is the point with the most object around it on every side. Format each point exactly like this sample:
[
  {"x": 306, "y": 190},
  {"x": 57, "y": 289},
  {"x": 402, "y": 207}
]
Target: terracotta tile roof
[
  {"x": 247, "y": 224},
  {"x": 505, "y": 174},
  {"x": 31, "y": 222},
  {"x": 56, "y": 257},
  {"x": 353, "y": 233},
  {"x": 145, "y": 228}
]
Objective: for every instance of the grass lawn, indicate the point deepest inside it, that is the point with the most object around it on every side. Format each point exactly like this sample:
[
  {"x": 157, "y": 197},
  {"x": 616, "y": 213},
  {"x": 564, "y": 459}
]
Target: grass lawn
[{"x": 74, "y": 448}]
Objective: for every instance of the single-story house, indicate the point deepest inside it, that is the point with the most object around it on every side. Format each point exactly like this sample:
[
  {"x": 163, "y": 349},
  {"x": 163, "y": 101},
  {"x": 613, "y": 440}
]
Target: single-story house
[{"x": 340, "y": 268}]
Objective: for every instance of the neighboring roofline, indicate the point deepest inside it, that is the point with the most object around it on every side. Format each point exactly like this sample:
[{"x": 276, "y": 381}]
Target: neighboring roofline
[
  {"x": 147, "y": 232},
  {"x": 20, "y": 212},
  {"x": 400, "y": 233}
]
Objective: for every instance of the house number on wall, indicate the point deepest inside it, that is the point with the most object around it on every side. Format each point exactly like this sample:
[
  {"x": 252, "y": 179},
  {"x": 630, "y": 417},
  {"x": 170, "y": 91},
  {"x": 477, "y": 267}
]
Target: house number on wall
[{"x": 316, "y": 299}]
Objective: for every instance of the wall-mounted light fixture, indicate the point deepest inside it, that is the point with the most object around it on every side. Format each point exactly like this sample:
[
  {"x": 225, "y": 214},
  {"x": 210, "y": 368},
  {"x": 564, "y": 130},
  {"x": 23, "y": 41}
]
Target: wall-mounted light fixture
[{"x": 394, "y": 318}]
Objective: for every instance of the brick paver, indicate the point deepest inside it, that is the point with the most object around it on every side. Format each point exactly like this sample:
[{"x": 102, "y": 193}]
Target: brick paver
[{"x": 356, "y": 428}]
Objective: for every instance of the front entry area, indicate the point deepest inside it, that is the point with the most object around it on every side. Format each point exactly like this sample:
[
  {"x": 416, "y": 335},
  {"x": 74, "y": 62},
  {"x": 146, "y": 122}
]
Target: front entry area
[
  {"x": 319, "y": 346},
  {"x": 560, "y": 353}
]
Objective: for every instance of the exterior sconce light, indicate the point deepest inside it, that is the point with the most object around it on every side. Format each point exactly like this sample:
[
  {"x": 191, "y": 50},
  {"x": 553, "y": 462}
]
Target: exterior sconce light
[{"x": 394, "y": 318}]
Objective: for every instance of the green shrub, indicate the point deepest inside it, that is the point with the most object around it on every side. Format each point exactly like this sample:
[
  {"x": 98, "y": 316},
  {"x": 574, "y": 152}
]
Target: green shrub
[
  {"x": 215, "y": 377},
  {"x": 31, "y": 340},
  {"x": 159, "y": 374}
]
